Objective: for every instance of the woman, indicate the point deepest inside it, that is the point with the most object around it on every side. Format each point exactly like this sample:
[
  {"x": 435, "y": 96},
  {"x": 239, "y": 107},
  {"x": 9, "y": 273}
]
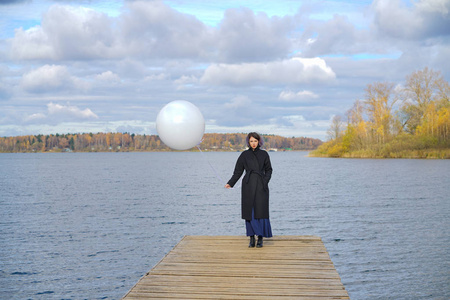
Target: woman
[{"x": 255, "y": 189}]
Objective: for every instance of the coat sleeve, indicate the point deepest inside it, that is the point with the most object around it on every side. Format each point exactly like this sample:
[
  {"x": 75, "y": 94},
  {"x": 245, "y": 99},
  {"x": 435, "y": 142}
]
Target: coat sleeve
[
  {"x": 267, "y": 169},
  {"x": 238, "y": 170}
]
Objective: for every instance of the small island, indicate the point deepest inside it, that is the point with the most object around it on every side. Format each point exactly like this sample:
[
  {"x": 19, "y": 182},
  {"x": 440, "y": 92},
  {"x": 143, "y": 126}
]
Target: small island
[{"x": 395, "y": 121}]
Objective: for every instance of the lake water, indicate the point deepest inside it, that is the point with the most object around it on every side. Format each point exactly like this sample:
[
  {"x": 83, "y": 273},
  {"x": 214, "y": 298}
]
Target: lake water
[{"x": 90, "y": 225}]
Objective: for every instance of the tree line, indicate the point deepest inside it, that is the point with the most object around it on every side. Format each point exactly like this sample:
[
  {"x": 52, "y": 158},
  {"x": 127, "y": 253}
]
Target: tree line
[
  {"x": 392, "y": 120},
  {"x": 116, "y": 142}
]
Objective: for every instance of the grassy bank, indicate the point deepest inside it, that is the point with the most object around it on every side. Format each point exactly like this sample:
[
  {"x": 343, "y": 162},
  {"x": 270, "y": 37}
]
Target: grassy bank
[
  {"x": 403, "y": 146},
  {"x": 417, "y": 154}
]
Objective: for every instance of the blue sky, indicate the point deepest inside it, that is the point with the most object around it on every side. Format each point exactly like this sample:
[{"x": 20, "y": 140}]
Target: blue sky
[{"x": 277, "y": 67}]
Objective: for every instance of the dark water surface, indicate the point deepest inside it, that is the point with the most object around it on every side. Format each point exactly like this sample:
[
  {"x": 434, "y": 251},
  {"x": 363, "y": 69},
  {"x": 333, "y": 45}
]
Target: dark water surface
[{"x": 89, "y": 225}]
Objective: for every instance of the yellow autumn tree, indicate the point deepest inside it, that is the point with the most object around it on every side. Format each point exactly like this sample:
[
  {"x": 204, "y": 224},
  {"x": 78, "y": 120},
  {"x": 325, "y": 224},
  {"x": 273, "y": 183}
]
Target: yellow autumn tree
[{"x": 419, "y": 128}]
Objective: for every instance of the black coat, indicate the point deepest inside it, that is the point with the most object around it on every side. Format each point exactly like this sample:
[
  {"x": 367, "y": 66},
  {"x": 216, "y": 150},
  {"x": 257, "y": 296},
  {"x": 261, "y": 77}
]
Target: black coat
[{"x": 255, "y": 188}]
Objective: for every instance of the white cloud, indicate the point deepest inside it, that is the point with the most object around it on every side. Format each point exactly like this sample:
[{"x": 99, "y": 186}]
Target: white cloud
[
  {"x": 45, "y": 78},
  {"x": 244, "y": 35},
  {"x": 108, "y": 76},
  {"x": 151, "y": 29},
  {"x": 157, "y": 77},
  {"x": 66, "y": 32},
  {"x": 35, "y": 118},
  {"x": 57, "y": 113},
  {"x": 238, "y": 102},
  {"x": 68, "y": 110},
  {"x": 290, "y": 71},
  {"x": 31, "y": 44},
  {"x": 144, "y": 29},
  {"x": 337, "y": 35},
  {"x": 295, "y": 118},
  {"x": 434, "y": 6},
  {"x": 423, "y": 19},
  {"x": 292, "y": 96},
  {"x": 185, "y": 82},
  {"x": 50, "y": 78}
]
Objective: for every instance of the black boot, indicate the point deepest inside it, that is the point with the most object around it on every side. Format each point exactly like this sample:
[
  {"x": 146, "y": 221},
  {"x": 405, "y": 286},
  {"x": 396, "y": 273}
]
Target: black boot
[
  {"x": 252, "y": 242},
  {"x": 260, "y": 241}
]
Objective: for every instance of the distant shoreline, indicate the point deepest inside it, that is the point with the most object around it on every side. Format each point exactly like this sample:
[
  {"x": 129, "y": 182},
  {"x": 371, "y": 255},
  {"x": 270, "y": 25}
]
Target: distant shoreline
[{"x": 126, "y": 142}]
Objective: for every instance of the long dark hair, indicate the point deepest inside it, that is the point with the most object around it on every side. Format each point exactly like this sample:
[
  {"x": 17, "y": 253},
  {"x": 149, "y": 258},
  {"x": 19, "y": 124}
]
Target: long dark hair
[{"x": 256, "y": 136}]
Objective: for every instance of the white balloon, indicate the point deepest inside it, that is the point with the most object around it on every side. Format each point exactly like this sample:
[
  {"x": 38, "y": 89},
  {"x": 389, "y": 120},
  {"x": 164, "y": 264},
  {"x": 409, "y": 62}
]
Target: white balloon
[{"x": 180, "y": 125}]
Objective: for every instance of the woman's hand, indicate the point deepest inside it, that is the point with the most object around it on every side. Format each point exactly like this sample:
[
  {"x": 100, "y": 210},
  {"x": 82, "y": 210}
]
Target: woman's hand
[{"x": 227, "y": 186}]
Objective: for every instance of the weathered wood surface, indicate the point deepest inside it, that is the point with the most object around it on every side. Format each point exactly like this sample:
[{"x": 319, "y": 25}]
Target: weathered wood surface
[{"x": 223, "y": 267}]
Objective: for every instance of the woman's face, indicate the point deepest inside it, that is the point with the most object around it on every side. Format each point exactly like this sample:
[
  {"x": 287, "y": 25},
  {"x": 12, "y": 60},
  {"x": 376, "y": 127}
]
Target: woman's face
[{"x": 253, "y": 142}]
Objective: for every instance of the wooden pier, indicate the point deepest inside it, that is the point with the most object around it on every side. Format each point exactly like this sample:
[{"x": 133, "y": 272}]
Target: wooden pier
[{"x": 223, "y": 267}]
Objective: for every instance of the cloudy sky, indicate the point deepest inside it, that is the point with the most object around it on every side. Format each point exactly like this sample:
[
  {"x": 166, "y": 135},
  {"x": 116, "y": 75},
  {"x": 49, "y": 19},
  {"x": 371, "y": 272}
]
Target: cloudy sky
[{"x": 277, "y": 67}]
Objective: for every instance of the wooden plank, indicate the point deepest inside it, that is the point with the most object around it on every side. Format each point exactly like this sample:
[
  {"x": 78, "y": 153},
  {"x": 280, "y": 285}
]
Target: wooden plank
[{"x": 223, "y": 267}]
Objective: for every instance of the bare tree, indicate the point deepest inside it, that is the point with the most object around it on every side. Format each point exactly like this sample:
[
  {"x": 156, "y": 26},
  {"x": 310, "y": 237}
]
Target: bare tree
[
  {"x": 336, "y": 128},
  {"x": 421, "y": 88}
]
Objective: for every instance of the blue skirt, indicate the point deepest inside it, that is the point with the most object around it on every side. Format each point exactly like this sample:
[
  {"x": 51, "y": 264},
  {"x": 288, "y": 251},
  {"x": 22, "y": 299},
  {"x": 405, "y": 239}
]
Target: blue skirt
[{"x": 259, "y": 227}]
